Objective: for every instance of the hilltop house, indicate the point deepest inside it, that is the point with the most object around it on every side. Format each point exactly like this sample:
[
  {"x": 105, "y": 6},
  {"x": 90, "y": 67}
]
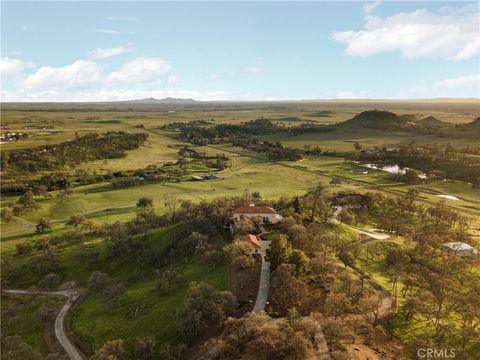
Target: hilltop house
[{"x": 265, "y": 214}]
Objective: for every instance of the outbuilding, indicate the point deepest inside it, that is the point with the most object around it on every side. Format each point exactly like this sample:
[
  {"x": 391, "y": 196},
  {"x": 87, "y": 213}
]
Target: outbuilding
[{"x": 459, "y": 249}]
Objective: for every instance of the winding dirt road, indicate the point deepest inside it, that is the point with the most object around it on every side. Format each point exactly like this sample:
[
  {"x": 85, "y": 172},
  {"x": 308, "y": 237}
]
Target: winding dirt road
[{"x": 72, "y": 296}]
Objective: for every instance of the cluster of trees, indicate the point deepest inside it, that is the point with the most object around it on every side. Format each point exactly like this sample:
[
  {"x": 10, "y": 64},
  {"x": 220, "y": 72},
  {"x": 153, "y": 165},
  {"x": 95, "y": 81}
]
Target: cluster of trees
[
  {"x": 110, "y": 145},
  {"x": 257, "y": 336},
  {"x": 17, "y": 166},
  {"x": 200, "y": 132},
  {"x": 274, "y": 150},
  {"x": 434, "y": 289},
  {"x": 14, "y": 348},
  {"x": 203, "y": 306},
  {"x": 441, "y": 292},
  {"x": 144, "y": 348},
  {"x": 44, "y": 311},
  {"x": 240, "y": 135},
  {"x": 436, "y": 161},
  {"x": 168, "y": 172},
  {"x": 310, "y": 128}
]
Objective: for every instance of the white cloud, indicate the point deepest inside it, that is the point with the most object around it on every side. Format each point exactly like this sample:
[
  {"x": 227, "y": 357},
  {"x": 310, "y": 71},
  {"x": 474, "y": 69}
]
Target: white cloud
[
  {"x": 80, "y": 74},
  {"x": 172, "y": 79},
  {"x": 419, "y": 34},
  {"x": 254, "y": 69},
  {"x": 11, "y": 69},
  {"x": 141, "y": 70},
  {"x": 461, "y": 81},
  {"x": 214, "y": 76},
  {"x": 109, "y": 52},
  {"x": 458, "y": 87},
  {"x": 107, "y": 31},
  {"x": 370, "y": 6}
]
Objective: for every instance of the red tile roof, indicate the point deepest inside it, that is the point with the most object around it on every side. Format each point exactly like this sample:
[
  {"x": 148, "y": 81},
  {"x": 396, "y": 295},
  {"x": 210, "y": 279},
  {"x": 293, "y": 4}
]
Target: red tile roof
[
  {"x": 243, "y": 218},
  {"x": 254, "y": 210},
  {"x": 251, "y": 239}
]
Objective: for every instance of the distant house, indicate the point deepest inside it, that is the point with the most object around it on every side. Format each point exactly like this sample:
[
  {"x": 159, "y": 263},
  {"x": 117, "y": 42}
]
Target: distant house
[
  {"x": 264, "y": 213},
  {"x": 252, "y": 240},
  {"x": 205, "y": 177},
  {"x": 459, "y": 249}
]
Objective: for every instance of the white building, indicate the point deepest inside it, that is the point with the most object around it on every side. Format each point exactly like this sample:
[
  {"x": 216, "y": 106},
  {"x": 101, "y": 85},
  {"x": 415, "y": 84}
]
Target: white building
[{"x": 459, "y": 249}]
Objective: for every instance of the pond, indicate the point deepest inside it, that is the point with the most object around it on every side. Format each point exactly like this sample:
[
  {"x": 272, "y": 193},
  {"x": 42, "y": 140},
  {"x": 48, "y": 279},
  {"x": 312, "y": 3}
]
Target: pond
[{"x": 393, "y": 169}]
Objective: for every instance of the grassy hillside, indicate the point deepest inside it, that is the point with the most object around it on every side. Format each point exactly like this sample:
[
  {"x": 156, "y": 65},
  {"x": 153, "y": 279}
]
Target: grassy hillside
[
  {"x": 19, "y": 314},
  {"x": 96, "y": 319}
]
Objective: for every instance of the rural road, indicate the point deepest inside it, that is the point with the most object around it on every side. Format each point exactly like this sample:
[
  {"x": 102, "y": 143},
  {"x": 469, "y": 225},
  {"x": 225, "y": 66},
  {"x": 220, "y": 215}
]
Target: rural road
[
  {"x": 72, "y": 296},
  {"x": 264, "y": 285},
  {"x": 372, "y": 235}
]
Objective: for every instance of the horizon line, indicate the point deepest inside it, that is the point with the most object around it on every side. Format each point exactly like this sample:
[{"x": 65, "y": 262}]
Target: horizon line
[{"x": 242, "y": 100}]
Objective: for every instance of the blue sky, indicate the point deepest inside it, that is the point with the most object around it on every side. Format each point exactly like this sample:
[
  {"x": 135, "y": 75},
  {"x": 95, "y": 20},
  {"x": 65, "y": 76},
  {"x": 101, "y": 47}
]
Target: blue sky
[{"x": 71, "y": 51}]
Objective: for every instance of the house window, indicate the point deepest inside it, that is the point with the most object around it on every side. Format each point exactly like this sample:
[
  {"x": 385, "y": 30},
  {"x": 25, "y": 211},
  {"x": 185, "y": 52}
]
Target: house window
[{"x": 266, "y": 219}]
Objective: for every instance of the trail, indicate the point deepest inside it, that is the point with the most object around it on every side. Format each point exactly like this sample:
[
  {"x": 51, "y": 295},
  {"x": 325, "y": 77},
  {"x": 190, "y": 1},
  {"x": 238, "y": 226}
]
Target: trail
[{"x": 72, "y": 296}]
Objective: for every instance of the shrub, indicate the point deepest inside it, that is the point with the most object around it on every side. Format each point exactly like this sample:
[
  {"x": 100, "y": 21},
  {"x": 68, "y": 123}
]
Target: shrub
[
  {"x": 23, "y": 247},
  {"x": 50, "y": 281}
]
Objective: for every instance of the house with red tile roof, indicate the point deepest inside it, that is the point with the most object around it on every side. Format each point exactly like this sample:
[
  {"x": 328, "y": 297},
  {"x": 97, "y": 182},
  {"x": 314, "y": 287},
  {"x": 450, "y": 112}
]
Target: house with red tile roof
[
  {"x": 265, "y": 214},
  {"x": 251, "y": 239}
]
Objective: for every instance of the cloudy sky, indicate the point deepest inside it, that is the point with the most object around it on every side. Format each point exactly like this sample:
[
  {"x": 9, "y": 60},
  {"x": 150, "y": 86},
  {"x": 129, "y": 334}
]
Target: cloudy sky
[{"x": 94, "y": 51}]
